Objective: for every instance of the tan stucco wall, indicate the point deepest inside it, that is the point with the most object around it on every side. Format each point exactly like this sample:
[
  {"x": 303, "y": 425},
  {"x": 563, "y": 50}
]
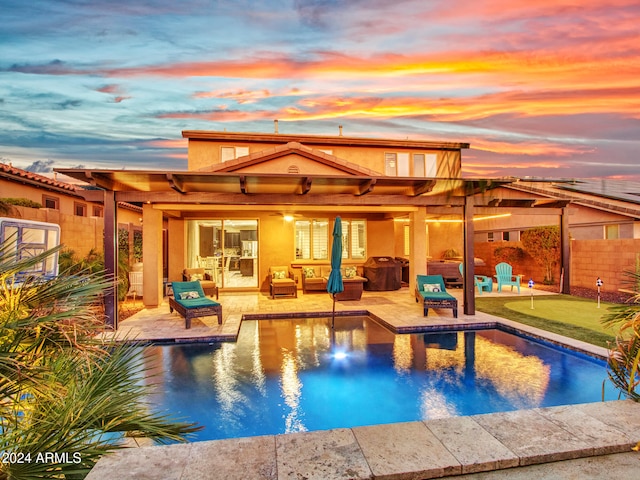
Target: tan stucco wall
[
  {"x": 282, "y": 164},
  {"x": 203, "y": 154},
  {"x": 18, "y": 190},
  {"x": 444, "y": 236}
]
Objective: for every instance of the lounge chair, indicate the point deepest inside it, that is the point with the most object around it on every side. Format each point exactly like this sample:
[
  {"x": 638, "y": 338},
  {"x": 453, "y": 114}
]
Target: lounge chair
[
  {"x": 480, "y": 281},
  {"x": 190, "y": 301},
  {"x": 281, "y": 282},
  {"x": 431, "y": 291},
  {"x": 504, "y": 276}
]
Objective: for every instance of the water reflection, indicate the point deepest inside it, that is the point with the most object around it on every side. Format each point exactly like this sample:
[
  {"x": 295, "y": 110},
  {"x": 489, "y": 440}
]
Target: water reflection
[{"x": 288, "y": 375}]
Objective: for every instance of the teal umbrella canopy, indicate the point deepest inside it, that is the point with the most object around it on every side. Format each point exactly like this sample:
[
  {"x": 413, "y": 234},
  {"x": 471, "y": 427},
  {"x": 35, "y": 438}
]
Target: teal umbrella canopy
[{"x": 334, "y": 284}]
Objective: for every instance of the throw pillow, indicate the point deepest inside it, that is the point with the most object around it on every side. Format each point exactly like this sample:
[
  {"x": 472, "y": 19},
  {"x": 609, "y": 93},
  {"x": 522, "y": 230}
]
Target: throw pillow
[
  {"x": 196, "y": 277},
  {"x": 279, "y": 274},
  {"x": 350, "y": 272},
  {"x": 189, "y": 295},
  {"x": 432, "y": 287},
  {"x": 309, "y": 272}
]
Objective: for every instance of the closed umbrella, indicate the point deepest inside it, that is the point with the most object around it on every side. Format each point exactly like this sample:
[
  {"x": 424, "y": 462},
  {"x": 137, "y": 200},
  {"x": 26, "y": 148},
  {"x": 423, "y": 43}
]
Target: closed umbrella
[{"x": 334, "y": 284}]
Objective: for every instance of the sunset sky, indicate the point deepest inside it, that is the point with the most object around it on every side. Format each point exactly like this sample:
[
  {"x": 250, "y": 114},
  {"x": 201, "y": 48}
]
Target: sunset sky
[{"x": 541, "y": 88}]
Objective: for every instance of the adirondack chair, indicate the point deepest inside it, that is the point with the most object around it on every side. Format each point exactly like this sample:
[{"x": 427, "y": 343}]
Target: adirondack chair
[
  {"x": 505, "y": 277},
  {"x": 431, "y": 291},
  {"x": 480, "y": 281}
]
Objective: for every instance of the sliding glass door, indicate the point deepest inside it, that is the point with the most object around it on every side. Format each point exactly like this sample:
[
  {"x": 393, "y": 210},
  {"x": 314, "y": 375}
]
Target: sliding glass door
[{"x": 227, "y": 249}]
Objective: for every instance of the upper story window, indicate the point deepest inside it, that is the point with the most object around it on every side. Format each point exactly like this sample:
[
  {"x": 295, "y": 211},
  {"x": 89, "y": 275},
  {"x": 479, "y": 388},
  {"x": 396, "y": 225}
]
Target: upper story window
[
  {"x": 421, "y": 164},
  {"x": 51, "y": 202},
  {"x": 79, "y": 209},
  {"x": 231, "y": 153},
  {"x": 396, "y": 164},
  {"x": 425, "y": 165}
]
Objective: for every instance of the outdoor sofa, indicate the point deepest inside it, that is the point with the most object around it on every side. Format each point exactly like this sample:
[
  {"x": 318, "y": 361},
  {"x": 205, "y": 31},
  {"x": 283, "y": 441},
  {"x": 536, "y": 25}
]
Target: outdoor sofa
[{"x": 315, "y": 278}]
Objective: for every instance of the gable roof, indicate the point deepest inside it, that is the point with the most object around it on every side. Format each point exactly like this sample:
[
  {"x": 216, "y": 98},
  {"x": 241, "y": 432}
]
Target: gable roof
[{"x": 288, "y": 149}]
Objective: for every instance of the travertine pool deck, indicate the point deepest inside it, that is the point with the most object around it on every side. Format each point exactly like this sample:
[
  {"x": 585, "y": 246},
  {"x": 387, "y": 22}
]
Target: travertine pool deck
[
  {"x": 413, "y": 450},
  {"x": 587, "y": 440}
]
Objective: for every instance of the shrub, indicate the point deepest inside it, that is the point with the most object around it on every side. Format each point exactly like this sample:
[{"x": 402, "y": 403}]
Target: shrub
[
  {"x": 543, "y": 244},
  {"x": 508, "y": 254},
  {"x": 61, "y": 390},
  {"x": 21, "y": 202}
]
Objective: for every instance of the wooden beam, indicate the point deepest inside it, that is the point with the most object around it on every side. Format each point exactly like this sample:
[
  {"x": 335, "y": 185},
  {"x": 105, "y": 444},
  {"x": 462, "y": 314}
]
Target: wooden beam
[
  {"x": 366, "y": 186},
  {"x": 243, "y": 184},
  {"x": 423, "y": 187},
  {"x": 306, "y": 185},
  {"x": 176, "y": 183},
  {"x": 275, "y": 199}
]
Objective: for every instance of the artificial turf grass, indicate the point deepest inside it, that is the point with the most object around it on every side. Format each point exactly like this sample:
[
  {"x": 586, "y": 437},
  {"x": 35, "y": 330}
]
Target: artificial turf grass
[{"x": 572, "y": 317}]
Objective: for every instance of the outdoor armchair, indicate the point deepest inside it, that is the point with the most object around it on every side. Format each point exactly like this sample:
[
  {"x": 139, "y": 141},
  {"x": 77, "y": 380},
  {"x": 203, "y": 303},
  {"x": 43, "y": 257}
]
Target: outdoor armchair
[
  {"x": 190, "y": 301},
  {"x": 504, "y": 276},
  {"x": 281, "y": 282},
  {"x": 431, "y": 291},
  {"x": 480, "y": 281},
  {"x": 208, "y": 284}
]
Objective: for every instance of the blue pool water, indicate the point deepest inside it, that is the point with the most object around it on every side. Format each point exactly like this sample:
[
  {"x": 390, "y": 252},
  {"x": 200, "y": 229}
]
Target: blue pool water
[{"x": 295, "y": 375}]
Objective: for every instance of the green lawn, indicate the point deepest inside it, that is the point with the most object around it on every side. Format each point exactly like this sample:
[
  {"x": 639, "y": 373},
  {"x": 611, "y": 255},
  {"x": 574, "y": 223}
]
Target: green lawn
[{"x": 573, "y": 317}]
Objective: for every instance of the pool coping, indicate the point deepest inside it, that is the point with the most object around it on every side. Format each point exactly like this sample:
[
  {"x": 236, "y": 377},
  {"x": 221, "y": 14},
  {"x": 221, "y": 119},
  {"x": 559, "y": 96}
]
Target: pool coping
[
  {"x": 422, "y": 449},
  {"x": 497, "y": 322}
]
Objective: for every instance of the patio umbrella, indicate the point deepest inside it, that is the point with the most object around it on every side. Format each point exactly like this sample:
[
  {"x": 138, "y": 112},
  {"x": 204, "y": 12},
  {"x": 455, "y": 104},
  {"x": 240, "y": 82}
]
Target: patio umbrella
[{"x": 334, "y": 284}]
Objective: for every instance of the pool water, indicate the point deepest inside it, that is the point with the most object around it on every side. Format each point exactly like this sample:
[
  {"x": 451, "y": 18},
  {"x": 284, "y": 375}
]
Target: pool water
[{"x": 294, "y": 375}]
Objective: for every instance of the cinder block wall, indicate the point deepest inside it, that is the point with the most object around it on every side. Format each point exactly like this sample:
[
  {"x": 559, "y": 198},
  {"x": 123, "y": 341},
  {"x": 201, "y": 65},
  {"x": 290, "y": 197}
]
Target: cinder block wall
[
  {"x": 590, "y": 259},
  {"x": 79, "y": 234},
  {"x": 607, "y": 259}
]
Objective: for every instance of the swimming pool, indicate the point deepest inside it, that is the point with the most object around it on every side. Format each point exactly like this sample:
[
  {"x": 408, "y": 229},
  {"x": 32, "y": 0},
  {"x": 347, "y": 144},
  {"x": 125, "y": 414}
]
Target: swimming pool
[{"x": 294, "y": 375}]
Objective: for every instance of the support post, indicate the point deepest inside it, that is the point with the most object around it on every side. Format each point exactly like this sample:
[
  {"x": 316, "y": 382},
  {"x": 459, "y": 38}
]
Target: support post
[
  {"x": 151, "y": 256},
  {"x": 469, "y": 258},
  {"x": 111, "y": 258},
  {"x": 417, "y": 247},
  {"x": 565, "y": 248}
]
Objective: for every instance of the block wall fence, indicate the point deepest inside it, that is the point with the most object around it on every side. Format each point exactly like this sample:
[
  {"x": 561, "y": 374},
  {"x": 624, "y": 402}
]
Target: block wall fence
[
  {"x": 79, "y": 234},
  {"x": 590, "y": 259}
]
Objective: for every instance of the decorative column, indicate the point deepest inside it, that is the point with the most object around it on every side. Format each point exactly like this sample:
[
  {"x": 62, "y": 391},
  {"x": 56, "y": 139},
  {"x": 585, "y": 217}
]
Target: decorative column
[
  {"x": 417, "y": 246},
  {"x": 565, "y": 249},
  {"x": 151, "y": 256}
]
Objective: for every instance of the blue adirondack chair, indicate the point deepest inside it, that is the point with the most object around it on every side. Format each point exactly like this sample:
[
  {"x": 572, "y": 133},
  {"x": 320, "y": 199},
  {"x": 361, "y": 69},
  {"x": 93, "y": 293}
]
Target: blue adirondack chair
[
  {"x": 482, "y": 282},
  {"x": 505, "y": 277}
]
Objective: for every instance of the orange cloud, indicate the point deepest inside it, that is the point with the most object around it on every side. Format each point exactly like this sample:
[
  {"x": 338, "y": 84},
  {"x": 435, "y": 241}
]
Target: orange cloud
[
  {"x": 181, "y": 143},
  {"x": 239, "y": 96}
]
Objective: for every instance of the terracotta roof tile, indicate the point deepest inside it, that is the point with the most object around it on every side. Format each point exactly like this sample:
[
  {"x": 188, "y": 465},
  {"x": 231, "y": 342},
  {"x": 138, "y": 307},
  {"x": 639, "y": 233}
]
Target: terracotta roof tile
[{"x": 10, "y": 170}]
